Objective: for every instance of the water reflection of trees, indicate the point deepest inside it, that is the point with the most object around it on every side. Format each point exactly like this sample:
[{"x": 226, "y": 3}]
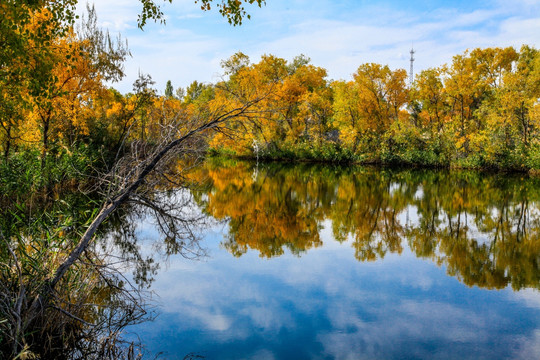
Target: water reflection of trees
[
  {"x": 483, "y": 227},
  {"x": 105, "y": 291},
  {"x": 87, "y": 312}
]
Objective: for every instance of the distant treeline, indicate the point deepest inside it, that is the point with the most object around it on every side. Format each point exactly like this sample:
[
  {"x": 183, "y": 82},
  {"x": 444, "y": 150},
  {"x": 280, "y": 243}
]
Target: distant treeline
[{"x": 482, "y": 110}]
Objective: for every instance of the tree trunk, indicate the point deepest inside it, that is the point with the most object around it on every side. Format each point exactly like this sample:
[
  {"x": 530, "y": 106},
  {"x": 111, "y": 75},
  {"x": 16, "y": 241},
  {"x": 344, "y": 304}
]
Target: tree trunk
[{"x": 45, "y": 145}]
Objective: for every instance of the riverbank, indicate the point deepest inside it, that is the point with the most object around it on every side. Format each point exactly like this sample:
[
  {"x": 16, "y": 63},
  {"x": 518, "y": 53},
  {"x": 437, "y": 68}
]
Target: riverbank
[{"x": 411, "y": 159}]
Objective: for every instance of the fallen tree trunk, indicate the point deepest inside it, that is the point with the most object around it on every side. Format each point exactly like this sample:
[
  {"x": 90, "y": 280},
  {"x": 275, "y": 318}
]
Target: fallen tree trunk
[{"x": 124, "y": 194}]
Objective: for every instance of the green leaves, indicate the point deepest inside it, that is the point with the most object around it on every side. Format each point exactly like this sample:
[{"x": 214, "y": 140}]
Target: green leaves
[{"x": 233, "y": 10}]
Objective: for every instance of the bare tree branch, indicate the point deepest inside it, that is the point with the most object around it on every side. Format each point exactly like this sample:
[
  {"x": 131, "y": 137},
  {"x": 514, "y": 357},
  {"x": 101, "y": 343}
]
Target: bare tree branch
[{"x": 148, "y": 166}]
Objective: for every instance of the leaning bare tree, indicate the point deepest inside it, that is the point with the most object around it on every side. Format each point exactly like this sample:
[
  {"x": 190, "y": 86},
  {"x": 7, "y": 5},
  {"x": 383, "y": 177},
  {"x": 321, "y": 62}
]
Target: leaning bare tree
[
  {"x": 133, "y": 179},
  {"x": 130, "y": 173}
]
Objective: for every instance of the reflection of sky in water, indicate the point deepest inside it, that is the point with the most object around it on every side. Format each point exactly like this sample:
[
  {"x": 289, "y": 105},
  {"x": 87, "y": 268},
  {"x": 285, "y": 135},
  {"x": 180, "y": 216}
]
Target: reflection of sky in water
[{"x": 327, "y": 305}]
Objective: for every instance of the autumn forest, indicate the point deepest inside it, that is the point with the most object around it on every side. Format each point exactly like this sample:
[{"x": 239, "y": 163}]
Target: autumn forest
[
  {"x": 79, "y": 160},
  {"x": 479, "y": 111}
]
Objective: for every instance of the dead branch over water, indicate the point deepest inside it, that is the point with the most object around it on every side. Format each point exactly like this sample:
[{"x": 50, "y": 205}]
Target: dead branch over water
[{"x": 78, "y": 305}]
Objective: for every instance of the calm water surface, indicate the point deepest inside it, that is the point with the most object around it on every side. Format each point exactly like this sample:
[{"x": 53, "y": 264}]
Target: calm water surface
[{"x": 315, "y": 262}]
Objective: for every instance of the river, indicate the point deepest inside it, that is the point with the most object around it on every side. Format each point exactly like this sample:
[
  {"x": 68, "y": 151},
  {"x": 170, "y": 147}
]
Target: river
[{"x": 320, "y": 262}]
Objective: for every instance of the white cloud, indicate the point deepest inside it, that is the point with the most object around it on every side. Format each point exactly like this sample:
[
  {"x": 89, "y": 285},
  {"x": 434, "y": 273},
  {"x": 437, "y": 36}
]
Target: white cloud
[
  {"x": 530, "y": 347},
  {"x": 531, "y": 297},
  {"x": 337, "y": 38},
  {"x": 117, "y": 16}
]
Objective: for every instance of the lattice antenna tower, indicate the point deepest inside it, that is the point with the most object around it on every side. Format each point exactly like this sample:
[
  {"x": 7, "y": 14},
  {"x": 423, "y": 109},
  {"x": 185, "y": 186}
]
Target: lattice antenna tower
[{"x": 411, "y": 73}]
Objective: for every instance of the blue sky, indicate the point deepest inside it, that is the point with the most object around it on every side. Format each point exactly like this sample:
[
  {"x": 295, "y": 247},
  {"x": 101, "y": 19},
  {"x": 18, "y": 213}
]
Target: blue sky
[{"x": 338, "y": 35}]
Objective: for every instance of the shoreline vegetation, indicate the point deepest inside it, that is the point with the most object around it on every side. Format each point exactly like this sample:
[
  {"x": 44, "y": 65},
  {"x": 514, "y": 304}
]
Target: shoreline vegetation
[
  {"x": 216, "y": 154},
  {"x": 75, "y": 152}
]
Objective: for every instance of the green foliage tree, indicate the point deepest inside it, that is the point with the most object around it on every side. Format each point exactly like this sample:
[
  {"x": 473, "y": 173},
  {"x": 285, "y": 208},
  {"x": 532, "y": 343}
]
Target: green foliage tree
[
  {"x": 169, "y": 90},
  {"x": 233, "y": 10}
]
